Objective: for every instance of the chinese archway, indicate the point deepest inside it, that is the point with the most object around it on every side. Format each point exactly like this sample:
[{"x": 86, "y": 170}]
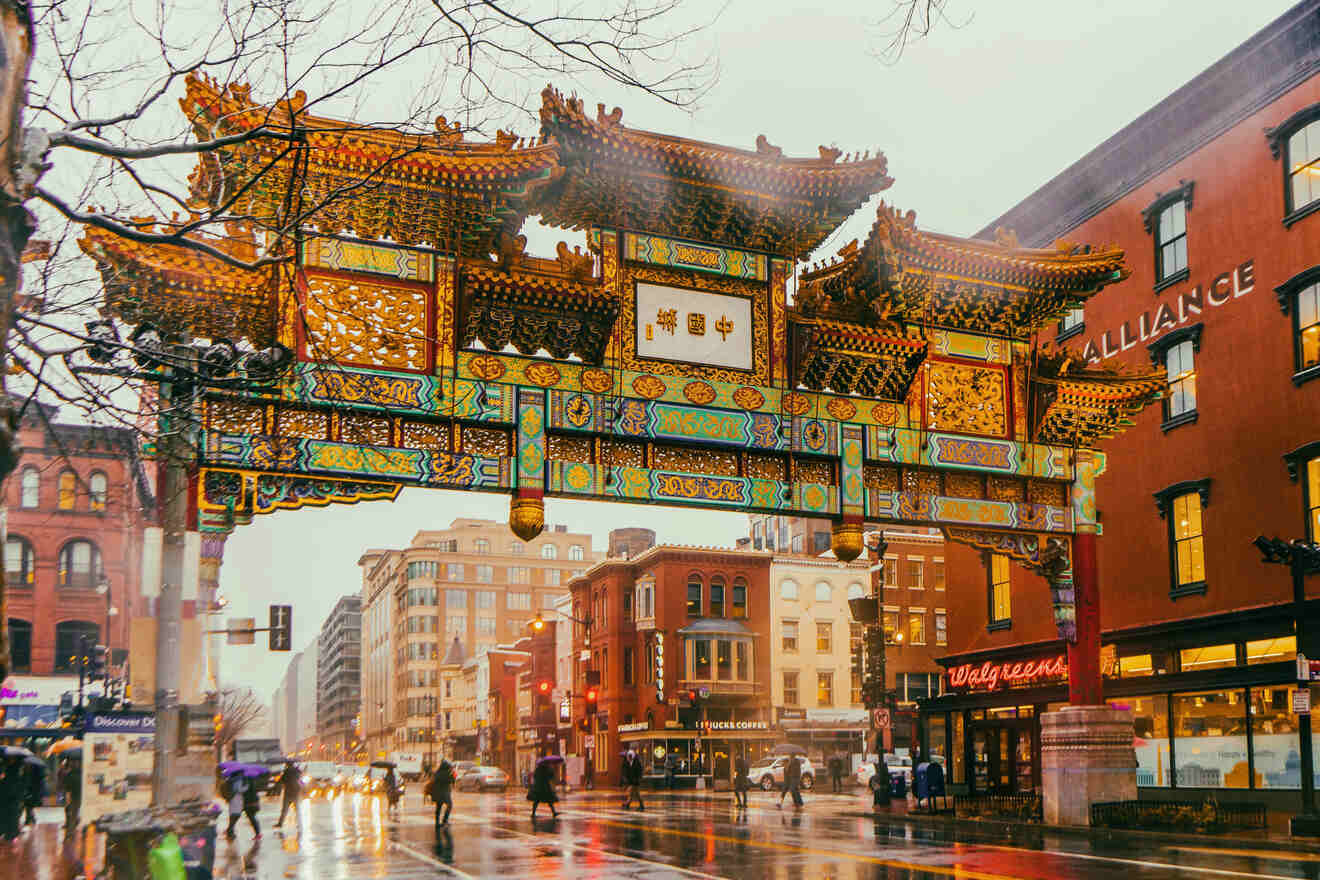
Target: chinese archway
[{"x": 664, "y": 364}]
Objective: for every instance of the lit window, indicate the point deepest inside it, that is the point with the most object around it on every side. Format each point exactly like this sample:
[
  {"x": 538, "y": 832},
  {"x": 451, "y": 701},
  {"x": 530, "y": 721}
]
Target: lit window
[
  {"x": 824, "y": 637},
  {"x": 889, "y": 619},
  {"x": 1001, "y": 610},
  {"x": 941, "y": 627},
  {"x": 19, "y": 561},
  {"x": 694, "y": 596},
  {"x": 31, "y": 496},
  {"x": 1301, "y": 158},
  {"x": 80, "y": 565},
  {"x": 739, "y": 599},
  {"x": 1180, "y": 365},
  {"x": 1135, "y": 666},
  {"x": 788, "y": 591},
  {"x": 891, "y": 572},
  {"x": 1208, "y": 657},
  {"x": 1306, "y": 325},
  {"x": 1171, "y": 242},
  {"x": 1189, "y": 547},
  {"x": 824, "y": 688},
  {"x": 96, "y": 490},
  {"x": 937, "y": 573},
  {"x": 790, "y": 688},
  {"x": 68, "y": 490},
  {"x": 914, "y": 574},
  {"x": 916, "y": 627},
  {"x": 824, "y": 592},
  {"x": 790, "y": 635},
  {"x": 1313, "y": 499},
  {"x": 1274, "y": 650}
]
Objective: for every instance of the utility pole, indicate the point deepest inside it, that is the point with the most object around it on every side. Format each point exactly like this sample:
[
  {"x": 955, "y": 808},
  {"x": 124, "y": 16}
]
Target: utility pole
[{"x": 173, "y": 446}]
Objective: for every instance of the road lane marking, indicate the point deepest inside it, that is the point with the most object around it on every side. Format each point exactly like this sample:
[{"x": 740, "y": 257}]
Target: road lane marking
[
  {"x": 1276, "y": 855},
  {"x": 431, "y": 860}
]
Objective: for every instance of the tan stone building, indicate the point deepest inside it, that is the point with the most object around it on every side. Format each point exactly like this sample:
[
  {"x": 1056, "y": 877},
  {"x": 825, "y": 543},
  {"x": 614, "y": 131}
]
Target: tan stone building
[{"x": 475, "y": 581}]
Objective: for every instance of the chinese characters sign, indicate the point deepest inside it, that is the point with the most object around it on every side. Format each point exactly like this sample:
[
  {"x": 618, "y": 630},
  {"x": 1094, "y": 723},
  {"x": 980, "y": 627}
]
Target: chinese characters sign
[{"x": 712, "y": 329}]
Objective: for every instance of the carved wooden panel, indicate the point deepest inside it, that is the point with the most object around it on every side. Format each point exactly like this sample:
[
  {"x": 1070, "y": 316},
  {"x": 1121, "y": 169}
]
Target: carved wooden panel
[
  {"x": 766, "y": 467},
  {"x": 235, "y": 417},
  {"x": 565, "y": 448},
  {"x": 492, "y": 442},
  {"x": 1007, "y": 489},
  {"x": 690, "y": 460},
  {"x": 366, "y": 322},
  {"x": 966, "y": 400},
  {"x": 921, "y": 482},
  {"x": 297, "y": 422},
  {"x": 814, "y": 471},
  {"x": 880, "y": 478},
  {"x": 1048, "y": 492},
  {"x": 365, "y": 429},
  {"x": 621, "y": 453},
  {"x": 423, "y": 435},
  {"x": 964, "y": 486}
]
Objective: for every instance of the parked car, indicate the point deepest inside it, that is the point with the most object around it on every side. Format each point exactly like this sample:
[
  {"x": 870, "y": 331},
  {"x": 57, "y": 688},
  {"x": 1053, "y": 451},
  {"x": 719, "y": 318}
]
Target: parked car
[
  {"x": 461, "y": 767},
  {"x": 769, "y": 773},
  {"x": 480, "y": 778},
  {"x": 897, "y": 765}
]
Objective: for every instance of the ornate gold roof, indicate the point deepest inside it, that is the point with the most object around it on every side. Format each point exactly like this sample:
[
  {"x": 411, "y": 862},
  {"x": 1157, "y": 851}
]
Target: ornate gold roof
[
  {"x": 849, "y": 358},
  {"x": 902, "y": 274},
  {"x": 432, "y": 188},
  {"x": 1076, "y": 403},
  {"x": 185, "y": 292},
  {"x": 627, "y": 178}
]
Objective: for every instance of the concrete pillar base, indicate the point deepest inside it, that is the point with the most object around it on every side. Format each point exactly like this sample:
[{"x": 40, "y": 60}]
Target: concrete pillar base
[{"x": 1086, "y": 758}]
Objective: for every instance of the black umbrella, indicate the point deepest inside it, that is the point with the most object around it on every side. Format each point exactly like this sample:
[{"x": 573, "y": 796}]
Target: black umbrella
[
  {"x": 383, "y": 764},
  {"x": 789, "y": 749}
]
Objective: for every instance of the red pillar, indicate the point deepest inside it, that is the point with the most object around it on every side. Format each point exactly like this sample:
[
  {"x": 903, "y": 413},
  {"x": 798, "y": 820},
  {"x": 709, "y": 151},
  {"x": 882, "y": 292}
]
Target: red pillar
[{"x": 1084, "y": 654}]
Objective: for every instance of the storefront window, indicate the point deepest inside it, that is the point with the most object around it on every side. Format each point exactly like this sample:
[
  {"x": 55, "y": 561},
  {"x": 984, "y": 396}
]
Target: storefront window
[
  {"x": 1274, "y": 744},
  {"x": 958, "y": 772},
  {"x": 1150, "y": 737},
  {"x": 1272, "y": 650},
  {"x": 936, "y": 739},
  {"x": 724, "y": 659},
  {"x": 1135, "y": 667},
  {"x": 1210, "y": 739},
  {"x": 1209, "y": 657},
  {"x": 701, "y": 660}
]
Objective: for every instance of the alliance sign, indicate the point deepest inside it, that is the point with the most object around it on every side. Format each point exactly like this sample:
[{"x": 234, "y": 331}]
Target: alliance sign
[{"x": 1017, "y": 673}]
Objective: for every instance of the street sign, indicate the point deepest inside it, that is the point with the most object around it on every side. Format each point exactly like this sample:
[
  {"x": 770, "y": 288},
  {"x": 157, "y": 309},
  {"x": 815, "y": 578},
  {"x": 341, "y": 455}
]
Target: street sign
[
  {"x": 880, "y": 719},
  {"x": 281, "y": 627},
  {"x": 1302, "y": 701},
  {"x": 240, "y": 631}
]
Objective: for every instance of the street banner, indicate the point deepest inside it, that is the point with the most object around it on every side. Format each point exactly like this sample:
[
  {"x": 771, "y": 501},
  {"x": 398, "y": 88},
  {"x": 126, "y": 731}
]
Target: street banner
[{"x": 118, "y": 756}]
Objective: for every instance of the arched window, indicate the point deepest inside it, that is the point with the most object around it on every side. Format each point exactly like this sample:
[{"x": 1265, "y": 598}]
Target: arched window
[
  {"x": 69, "y": 637},
  {"x": 31, "y": 488},
  {"x": 20, "y": 646},
  {"x": 717, "y": 596},
  {"x": 481, "y": 545},
  {"x": 80, "y": 565},
  {"x": 549, "y": 551},
  {"x": 97, "y": 491},
  {"x": 824, "y": 592},
  {"x": 694, "y": 586},
  {"x": 575, "y": 551},
  {"x": 19, "y": 561},
  {"x": 856, "y": 591},
  {"x": 788, "y": 590},
  {"x": 68, "y": 490}
]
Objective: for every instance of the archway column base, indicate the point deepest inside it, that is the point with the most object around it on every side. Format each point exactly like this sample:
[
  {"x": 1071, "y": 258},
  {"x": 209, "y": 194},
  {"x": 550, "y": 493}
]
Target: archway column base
[{"x": 1087, "y": 758}]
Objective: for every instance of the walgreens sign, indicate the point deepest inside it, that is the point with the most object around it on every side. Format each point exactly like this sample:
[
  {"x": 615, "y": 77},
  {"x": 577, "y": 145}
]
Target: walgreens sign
[{"x": 997, "y": 676}]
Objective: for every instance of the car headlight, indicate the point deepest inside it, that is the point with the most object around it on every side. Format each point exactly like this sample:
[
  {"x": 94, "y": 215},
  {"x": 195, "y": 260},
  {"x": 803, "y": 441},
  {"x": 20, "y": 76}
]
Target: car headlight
[{"x": 306, "y": 779}]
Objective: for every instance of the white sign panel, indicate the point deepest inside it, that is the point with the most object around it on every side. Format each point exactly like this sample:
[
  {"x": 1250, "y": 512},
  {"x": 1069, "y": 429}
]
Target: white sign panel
[
  {"x": 694, "y": 326},
  {"x": 1302, "y": 701}
]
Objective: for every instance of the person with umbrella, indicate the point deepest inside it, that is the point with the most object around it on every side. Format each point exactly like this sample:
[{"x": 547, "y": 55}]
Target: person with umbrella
[
  {"x": 441, "y": 791},
  {"x": 290, "y": 783},
  {"x": 13, "y": 791},
  {"x": 741, "y": 782},
  {"x": 792, "y": 781},
  {"x": 36, "y": 787},
  {"x": 240, "y": 792},
  {"x": 392, "y": 791},
  {"x": 542, "y": 790},
  {"x": 70, "y": 782}
]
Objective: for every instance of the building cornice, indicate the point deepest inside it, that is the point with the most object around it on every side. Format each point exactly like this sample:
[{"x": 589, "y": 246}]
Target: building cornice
[{"x": 1278, "y": 58}]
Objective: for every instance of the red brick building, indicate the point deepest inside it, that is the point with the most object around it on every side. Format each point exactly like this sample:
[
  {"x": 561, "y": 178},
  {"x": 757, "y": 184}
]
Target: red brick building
[
  {"x": 1210, "y": 194},
  {"x": 667, "y": 624},
  {"x": 74, "y": 538}
]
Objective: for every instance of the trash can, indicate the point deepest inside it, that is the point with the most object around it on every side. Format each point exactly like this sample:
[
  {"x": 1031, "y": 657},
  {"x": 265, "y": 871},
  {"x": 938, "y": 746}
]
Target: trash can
[
  {"x": 897, "y": 785},
  {"x": 199, "y": 852}
]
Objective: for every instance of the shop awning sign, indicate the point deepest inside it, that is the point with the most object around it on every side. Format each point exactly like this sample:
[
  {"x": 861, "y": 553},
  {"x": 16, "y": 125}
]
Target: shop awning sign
[
  {"x": 1307, "y": 670},
  {"x": 990, "y": 676}
]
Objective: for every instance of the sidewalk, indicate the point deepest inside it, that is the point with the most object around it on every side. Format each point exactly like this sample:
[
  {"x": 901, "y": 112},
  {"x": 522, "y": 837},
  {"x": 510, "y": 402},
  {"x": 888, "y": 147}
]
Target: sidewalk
[{"x": 857, "y": 804}]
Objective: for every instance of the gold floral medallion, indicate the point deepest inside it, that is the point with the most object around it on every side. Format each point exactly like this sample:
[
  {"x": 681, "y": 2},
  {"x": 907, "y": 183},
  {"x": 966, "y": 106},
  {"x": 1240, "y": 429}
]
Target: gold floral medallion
[
  {"x": 749, "y": 398},
  {"x": 648, "y": 386},
  {"x": 487, "y": 366},
  {"x": 698, "y": 392},
  {"x": 542, "y": 374},
  {"x": 841, "y": 409},
  {"x": 595, "y": 381}
]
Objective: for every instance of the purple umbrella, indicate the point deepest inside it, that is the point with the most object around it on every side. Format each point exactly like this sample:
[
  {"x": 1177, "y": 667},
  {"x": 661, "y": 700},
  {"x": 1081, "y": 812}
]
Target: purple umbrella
[
  {"x": 550, "y": 759},
  {"x": 252, "y": 771}
]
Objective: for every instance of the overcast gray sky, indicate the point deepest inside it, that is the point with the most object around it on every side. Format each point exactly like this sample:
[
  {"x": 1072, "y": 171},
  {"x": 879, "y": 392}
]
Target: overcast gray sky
[{"x": 972, "y": 120}]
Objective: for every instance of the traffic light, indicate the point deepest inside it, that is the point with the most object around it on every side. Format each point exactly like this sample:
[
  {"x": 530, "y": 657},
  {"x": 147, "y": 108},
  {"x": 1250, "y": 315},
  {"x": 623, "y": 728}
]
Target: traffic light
[
  {"x": 544, "y": 686},
  {"x": 584, "y": 725},
  {"x": 537, "y": 623},
  {"x": 591, "y": 701},
  {"x": 281, "y": 627},
  {"x": 96, "y": 663}
]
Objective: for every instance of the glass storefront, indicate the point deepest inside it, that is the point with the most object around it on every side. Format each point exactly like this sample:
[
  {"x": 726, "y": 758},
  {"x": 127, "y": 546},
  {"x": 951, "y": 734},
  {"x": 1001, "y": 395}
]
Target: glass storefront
[
  {"x": 1150, "y": 730},
  {"x": 1275, "y": 752},
  {"x": 1210, "y": 739}
]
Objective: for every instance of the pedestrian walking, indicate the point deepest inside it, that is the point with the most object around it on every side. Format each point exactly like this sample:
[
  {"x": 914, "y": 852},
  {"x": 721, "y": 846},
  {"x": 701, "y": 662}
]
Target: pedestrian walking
[
  {"x": 441, "y": 791},
  {"x": 632, "y": 778},
  {"x": 589, "y": 774},
  {"x": 879, "y": 785},
  {"x": 392, "y": 791},
  {"x": 240, "y": 793},
  {"x": 741, "y": 782},
  {"x": 542, "y": 790},
  {"x": 13, "y": 791},
  {"x": 671, "y": 767},
  {"x": 36, "y": 788},
  {"x": 290, "y": 784},
  {"x": 792, "y": 780},
  {"x": 836, "y": 774},
  {"x": 70, "y": 782}
]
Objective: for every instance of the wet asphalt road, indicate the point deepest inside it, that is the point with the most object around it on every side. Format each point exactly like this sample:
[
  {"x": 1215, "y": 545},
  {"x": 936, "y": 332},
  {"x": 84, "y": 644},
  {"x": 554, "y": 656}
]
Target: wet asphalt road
[{"x": 491, "y": 835}]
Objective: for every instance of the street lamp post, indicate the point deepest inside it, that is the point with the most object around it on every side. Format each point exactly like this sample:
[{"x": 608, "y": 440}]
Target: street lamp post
[
  {"x": 103, "y": 587},
  {"x": 1302, "y": 558}
]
